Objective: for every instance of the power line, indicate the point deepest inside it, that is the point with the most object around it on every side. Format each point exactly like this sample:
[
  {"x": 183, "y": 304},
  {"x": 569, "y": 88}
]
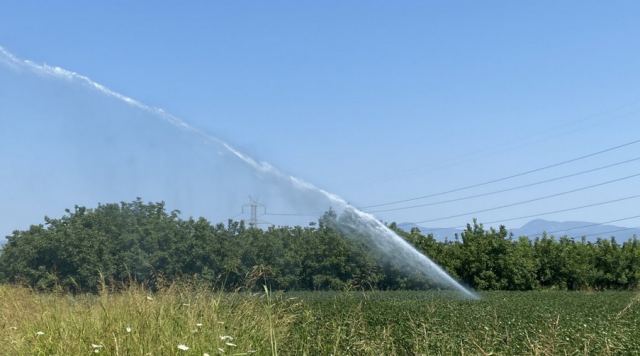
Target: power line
[
  {"x": 586, "y": 226},
  {"x": 508, "y": 219},
  {"x": 612, "y": 231},
  {"x": 556, "y": 211},
  {"x": 530, "y": 139},
  {"x": 292, "y": 214},
  {"x": 504, "y": 178},
  {"x": 531, "y": 200},
  {"x": 508, "y": 189},
  {"x": 518, "y": 203},
  {"x": 574, "y": 228},
  {"x": 532, "y": 216}
]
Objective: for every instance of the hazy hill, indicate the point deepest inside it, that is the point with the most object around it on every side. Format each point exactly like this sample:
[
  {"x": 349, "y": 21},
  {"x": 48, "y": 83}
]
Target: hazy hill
[
  {"x": 536, "y": 227},
  {"x": 439, "y": 233}
]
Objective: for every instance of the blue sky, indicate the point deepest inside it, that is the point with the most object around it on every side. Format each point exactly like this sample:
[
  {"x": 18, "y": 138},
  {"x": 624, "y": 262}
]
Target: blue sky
[{"x": 375, "y": 101}]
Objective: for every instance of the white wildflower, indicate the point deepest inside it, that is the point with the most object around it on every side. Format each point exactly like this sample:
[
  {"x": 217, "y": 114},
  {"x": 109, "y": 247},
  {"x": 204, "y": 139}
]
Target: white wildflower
[
  {"x": 226, "y": 338},
  {"x": 230, "y": 344},
  {"x": 149, "y": 298},
  {"x": 128, "y": 328},
  {"x": 183, "y": 347},
  {"x": 96, "y": 346},
  {"x": 40, "y": 333},
  {"x": 221, "y": 350}
]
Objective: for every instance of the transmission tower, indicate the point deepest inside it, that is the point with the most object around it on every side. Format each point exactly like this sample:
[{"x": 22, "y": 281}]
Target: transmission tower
[{"x": 253, "y": 206}]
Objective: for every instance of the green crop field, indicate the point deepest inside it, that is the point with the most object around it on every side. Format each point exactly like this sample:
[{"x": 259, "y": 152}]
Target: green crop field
[{"x": 184, "y": 321}]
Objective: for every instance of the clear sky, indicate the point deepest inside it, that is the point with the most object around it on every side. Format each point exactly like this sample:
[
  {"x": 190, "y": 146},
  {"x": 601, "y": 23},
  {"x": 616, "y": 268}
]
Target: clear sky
[{"x": 374, "y": 100}]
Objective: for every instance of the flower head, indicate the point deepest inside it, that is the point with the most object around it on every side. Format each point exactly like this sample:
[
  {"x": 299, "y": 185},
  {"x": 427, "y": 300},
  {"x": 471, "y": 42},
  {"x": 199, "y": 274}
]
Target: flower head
[
  {"x": 39, "y": 333},
  {"x": 128, "y": 328},
  {"x": 183, "y": 347}
]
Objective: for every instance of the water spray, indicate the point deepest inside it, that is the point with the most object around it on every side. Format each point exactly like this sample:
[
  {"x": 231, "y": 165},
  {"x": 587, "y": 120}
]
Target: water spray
[{"x": 354, "y": 223}]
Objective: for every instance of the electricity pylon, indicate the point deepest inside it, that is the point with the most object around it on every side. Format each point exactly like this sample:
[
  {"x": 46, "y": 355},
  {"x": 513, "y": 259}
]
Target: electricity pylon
[{"x": 254, "y": 206}]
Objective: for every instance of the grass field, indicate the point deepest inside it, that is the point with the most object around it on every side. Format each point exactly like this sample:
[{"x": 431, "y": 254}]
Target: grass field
[{"x": 183, "y": 321}]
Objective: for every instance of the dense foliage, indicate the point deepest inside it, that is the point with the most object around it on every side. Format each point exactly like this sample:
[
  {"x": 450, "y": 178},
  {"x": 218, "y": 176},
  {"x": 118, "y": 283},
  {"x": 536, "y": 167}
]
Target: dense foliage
[{"x": 116, "y": 243}]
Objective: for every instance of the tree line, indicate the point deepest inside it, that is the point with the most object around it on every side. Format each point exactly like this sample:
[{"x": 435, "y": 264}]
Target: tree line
[{"x": 115, "y": 244}]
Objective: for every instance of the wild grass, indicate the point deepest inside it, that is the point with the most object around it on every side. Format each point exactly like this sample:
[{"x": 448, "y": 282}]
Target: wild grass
[
  {"x": 187, "y": 320},
  {"x": 136, "y": 322}
]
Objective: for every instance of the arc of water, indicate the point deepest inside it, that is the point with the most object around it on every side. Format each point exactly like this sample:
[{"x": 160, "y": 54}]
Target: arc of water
[{"x": 382, "y": 236}]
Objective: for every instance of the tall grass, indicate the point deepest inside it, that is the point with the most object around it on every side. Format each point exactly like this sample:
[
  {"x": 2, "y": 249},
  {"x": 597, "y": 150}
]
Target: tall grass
[
  {"x": 193, "y": 320},
  {"x": 135, "y": 322}
]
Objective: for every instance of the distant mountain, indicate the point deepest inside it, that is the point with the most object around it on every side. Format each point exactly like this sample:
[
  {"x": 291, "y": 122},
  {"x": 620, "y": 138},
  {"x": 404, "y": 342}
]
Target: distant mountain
[
  {"x": 440, "y": 233},
  {"x": 535, "y": 228}
]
